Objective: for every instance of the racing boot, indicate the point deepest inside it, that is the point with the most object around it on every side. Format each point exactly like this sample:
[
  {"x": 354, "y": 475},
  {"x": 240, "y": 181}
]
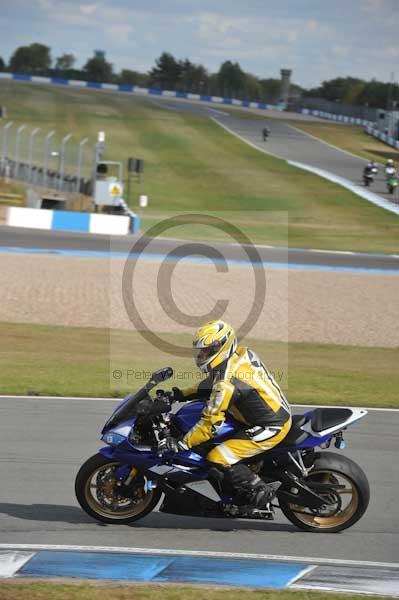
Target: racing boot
[{"x": 249, "y": 488}]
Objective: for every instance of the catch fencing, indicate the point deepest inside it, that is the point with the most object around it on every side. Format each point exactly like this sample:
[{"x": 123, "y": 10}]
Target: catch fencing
[{"x": 46, "y": 158}]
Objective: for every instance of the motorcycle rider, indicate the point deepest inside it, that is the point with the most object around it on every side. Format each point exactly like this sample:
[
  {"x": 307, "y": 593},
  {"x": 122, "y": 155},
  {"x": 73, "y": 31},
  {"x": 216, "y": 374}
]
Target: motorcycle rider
[
  {"x": 265, "y": 133},
  {"x": 238, "y": 384},
  {"x": 390, "y": 170},
  {"x": 368, "y": 171}
]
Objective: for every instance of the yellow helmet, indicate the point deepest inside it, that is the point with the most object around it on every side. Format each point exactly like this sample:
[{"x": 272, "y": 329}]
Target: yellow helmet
[{"x": 214, "y": 343}]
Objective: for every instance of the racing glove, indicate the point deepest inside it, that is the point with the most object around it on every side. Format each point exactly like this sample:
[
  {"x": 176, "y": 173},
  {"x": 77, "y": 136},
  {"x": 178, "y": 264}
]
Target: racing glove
[{"x": 171, "y": 445}]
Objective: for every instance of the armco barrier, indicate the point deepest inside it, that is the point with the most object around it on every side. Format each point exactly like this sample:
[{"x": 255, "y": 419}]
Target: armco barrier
[
  {"x": 61, "y": 220},
  {"x": 133, "y": 89},
  {"x": 382, "y": 136},
  {"x": 338, "y": 118},
  {"x": 354, "y": 121}
]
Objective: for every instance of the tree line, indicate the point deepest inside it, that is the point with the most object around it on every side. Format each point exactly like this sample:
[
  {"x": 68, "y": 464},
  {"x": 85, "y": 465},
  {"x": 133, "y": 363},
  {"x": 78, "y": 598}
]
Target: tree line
[
  {"x": 168, "y": 73},
  {"x": 182, "y": 75}
]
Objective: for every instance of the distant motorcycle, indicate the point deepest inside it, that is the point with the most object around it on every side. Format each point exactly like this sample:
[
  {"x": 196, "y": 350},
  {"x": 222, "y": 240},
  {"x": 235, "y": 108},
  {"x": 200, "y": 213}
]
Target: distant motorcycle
[
  {"x": 368, "y": 178},
  {"x": 392, "y": 183},
  {"x": 265, "y": 133}
]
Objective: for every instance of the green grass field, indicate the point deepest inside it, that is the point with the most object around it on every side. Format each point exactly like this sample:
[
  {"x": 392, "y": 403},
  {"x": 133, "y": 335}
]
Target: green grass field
[
  {"x": 43, "y": 590},
  {"x": 192, "y": 164},
  {"x": 350, "y": 138},
  {"x": 72, "y": 361}
]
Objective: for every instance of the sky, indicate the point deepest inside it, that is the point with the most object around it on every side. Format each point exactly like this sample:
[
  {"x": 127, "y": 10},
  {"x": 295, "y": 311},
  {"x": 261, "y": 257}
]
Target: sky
[{"x": 317, "y": 39}]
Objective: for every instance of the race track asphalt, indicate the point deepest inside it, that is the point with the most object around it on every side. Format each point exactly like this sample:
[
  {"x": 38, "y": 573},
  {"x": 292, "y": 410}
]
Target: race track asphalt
[
  {"x": 52, "y": 241},
  {"x": 287, "y": 142},
  {"x": 43, "y": 442}
]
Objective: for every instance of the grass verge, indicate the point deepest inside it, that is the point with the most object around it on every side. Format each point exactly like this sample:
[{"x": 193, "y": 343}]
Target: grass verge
[
  {"x": 351, "y": 138},
  {"x": 41, "y": 590},
  {"x": 193, "y": 164},
  {"x": 73, "y": 361}
]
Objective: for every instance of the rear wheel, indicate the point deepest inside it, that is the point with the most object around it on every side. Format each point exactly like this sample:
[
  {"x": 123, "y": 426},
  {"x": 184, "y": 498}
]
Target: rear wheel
[
  {"x": 346, "y": 505},
  {"x": 103, "y": 497}
]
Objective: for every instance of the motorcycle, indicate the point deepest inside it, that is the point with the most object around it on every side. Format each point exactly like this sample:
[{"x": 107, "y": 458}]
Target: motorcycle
[
  {"x": 319, "y": 491},
  {"x": 369, "y": 175},
  {"x": 392, "y": 180},
  {"x": 265, "y": 134}
]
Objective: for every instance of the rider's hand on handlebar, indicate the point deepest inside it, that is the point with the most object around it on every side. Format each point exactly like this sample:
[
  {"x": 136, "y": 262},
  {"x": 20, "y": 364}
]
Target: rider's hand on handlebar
[
  {"x": 177, "y": 395},
  {"x": 170, "y": 444}
]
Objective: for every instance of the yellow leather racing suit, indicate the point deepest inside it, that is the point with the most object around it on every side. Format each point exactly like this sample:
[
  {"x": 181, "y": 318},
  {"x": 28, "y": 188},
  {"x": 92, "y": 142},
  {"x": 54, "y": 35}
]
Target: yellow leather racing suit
[{"x": 243, "y": 388}]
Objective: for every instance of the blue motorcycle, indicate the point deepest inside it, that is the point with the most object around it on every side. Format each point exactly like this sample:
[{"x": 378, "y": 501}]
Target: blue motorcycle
[{"x": 319, "y": 491}]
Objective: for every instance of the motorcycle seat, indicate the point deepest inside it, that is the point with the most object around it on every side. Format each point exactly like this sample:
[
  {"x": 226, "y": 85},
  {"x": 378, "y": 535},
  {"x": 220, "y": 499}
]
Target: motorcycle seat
[{"x": 324, "y": 418}]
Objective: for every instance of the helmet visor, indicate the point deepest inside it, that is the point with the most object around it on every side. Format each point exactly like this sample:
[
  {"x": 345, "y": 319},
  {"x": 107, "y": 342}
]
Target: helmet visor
[{"x": 204, "y": 355}]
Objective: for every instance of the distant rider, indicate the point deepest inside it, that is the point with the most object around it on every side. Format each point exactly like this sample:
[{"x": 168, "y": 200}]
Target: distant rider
[
  {"x": 265, "y": 133},
  {"x": 390, "y": 170},
  {"x": 368, "y": 170},
  {"x": 238, "y": 385}
]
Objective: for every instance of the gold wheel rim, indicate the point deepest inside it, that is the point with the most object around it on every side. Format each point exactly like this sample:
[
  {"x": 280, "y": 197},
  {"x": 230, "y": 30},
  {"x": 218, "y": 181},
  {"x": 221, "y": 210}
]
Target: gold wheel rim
[
  {"x": 347, "y": 509},
  {"x": 118, "y": 509}
]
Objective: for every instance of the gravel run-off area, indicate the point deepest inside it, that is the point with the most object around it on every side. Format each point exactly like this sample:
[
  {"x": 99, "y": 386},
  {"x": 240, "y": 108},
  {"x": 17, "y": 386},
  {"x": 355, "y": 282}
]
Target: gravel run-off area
[{"x": 300, "y": 305}]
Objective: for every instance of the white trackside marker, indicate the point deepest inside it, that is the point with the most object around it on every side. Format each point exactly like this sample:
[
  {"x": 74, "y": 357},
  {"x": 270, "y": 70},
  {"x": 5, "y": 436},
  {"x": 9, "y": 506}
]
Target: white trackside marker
[{"x": 11, "y": 562}]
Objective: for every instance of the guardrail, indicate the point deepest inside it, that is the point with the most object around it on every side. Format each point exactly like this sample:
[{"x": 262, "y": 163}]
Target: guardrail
[
  {"x": 382, "y": 136},
  {"x": 369, "y": 125},
  {"x": 338, "y": 118}
]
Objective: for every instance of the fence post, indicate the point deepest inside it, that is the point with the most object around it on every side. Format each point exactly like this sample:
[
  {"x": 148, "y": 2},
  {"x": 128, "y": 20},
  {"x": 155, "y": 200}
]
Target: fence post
[
  {"x": 62, "y": 157},
  {"x": 31, "y": 137},
  {"x": 5, "y": 142},
  {"x": 45, "y": 161},
  {"x": 80, "y": 156},
  {"x": 20, "y": 129}
]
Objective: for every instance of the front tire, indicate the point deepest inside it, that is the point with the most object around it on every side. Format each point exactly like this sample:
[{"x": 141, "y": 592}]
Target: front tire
[
  {"x": 351, "y": 501},
  {"x": 97, "y": 492}
]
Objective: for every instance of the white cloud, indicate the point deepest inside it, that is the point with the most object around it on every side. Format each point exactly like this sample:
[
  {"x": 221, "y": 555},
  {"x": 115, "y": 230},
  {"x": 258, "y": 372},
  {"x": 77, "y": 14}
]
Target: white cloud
[
  {"x": 119, "y": 34},
  {"x": 88, "y": 9}
]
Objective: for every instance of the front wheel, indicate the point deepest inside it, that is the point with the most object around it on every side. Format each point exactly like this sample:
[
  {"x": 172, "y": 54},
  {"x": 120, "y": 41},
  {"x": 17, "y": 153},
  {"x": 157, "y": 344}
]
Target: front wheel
[
  {"x": 347, "y": 504},
  {"x": 103, "y": 497}
]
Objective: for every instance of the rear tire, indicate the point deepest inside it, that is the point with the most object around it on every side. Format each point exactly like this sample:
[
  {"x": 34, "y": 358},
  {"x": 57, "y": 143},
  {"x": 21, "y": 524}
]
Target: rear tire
[
  {"x": 97, "y": 493},
  {"x": 329, "y": 466}
]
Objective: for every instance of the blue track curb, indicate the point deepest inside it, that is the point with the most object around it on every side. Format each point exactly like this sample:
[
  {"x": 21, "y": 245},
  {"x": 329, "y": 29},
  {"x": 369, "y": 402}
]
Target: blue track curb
[{"x": 161, "y": 568}]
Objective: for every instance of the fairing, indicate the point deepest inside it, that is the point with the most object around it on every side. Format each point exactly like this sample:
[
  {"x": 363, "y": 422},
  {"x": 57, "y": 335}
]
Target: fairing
[{"x": 185, "y": 418}]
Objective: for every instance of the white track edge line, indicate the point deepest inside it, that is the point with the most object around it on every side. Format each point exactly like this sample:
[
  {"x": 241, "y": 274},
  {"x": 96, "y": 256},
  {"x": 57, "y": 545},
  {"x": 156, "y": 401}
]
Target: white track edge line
[
  {"x": 175, "y": 552},
  {"x": 301, "y": 574}
]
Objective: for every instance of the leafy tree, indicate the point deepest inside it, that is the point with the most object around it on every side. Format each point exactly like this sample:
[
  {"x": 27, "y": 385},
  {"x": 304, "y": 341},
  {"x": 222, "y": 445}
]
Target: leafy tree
[
  {"x": 98, "y": 68},
  {"x": 65, "y": 62},
  {"x": 253, "y": 87},
  {"x": 166, "y": 73},
  {"x": 271, "y": 89},
  {"x": 2, "y": 64},
  {"x": 231, "y": 79},
  {"x": 193, "y": 78},
  {"x": 35, "y": 58},
  {"x": 350, "y": 90},
  {"x": 133, "y": 78}
]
